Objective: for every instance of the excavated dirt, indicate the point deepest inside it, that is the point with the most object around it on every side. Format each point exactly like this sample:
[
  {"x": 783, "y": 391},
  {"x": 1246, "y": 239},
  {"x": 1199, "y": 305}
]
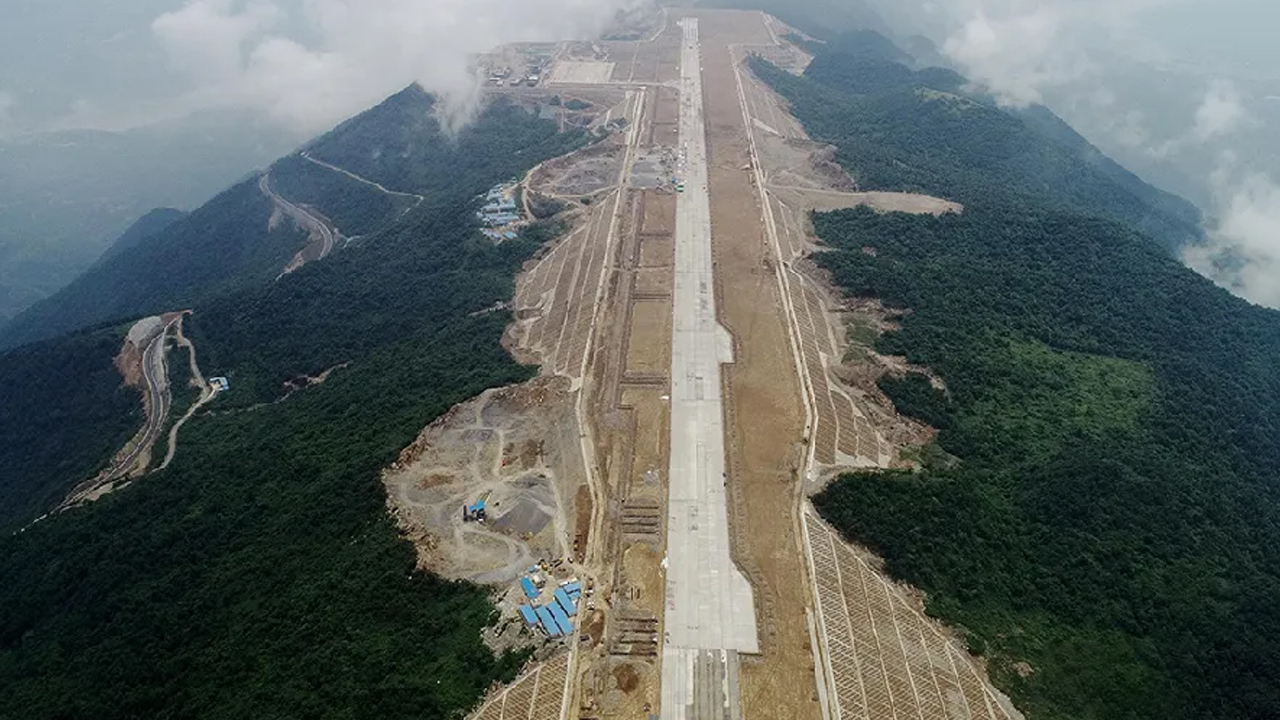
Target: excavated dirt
[
  {"x": 585, "y": 172},
  {"x": 129, "y": 364},
  {"x": 765, "y": 416},
  {"x": 515, "y": 447},
  {"x": 595, "y": 310}
]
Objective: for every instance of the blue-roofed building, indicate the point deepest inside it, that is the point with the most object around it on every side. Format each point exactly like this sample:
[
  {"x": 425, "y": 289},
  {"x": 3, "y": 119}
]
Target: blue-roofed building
[
  {"x": 566, "y": 603},
  {"x": 530, "y": 617},
  {"x": 530, "y": 591},
  {"x": 549, "y": 622},
  {"x": 574, "y": 586},
  {"x": 566, "y": 625}
]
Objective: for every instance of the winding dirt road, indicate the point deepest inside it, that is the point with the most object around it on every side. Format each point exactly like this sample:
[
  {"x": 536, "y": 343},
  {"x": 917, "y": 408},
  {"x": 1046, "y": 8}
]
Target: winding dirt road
[
  {"x": 417, "y": 199},
  {"x": 155, "y": 374},
  {"x": 207, "y": 393}
]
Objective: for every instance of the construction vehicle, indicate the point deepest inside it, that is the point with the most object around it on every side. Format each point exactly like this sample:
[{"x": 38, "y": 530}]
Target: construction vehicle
[{"x": 475, "y": 513}]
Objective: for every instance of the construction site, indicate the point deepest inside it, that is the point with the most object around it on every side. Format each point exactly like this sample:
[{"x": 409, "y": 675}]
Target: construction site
[{"x": 699, "y": 379}]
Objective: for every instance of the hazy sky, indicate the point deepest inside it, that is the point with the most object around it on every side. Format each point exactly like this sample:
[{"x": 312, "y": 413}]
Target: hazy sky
[
  {"x": 304, "y": 63},
  {"x": 309, "y": 62},
  {"x": 1191, "y": 86}
]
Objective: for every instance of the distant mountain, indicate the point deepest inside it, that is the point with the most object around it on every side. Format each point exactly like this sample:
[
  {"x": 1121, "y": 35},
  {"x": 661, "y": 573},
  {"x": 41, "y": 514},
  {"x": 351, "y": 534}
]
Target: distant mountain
[
  {"x": 899, "y": 129},
  {"x": 232, "y": 243},
  {"x": 150, "y": 224},
  {"x": 65, "y": 196},
  {"x": 225, "y": 244}
]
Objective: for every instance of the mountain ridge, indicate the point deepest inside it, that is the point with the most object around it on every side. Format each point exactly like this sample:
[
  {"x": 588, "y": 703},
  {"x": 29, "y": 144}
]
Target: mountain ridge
[
  {"x": 259, "y": 574},
  {"x": 1099, "y": 515}
]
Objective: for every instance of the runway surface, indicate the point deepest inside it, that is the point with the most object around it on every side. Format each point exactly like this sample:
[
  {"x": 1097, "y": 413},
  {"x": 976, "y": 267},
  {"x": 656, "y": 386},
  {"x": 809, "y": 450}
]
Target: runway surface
[{"x": 710, "y": 613}]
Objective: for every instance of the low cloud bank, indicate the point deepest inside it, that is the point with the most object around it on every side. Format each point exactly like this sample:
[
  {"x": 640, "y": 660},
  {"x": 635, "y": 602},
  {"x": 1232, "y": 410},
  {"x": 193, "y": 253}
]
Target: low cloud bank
[
  {"x": 1096, "y": 60},
  {"x": 1021, "y": 49},
  {"x": 309, "y": 64},
  {"x": 1243, "y": 252},
  {"x": 6, "y": 114}
]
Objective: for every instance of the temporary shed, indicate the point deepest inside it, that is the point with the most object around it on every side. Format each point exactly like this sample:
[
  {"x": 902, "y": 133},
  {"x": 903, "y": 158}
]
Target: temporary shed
[
  {"x": 530, "y": 617},
  {"x": 566, "y": 603},
  {"x": 549, "y": 622},
  {"x": 566, "y": 625},
  {"x": 530, "y": 591}
]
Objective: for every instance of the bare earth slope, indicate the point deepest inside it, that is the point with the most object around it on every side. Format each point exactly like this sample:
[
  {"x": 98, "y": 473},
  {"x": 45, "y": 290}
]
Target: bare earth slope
[{"x": 798, "y": 405}]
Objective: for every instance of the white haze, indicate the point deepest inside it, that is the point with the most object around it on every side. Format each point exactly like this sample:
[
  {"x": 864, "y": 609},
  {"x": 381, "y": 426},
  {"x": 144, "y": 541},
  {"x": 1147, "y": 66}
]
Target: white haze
[
  {"x": 195, "y": 94},
  {"x": 311, "y": 64},
  {"x": 1179, "y": 89},
  {"x": 302, "y": 64},
  {"x": 1183, "y": 91},
  {"x": 6, "y": 113},
  {"x": 1245, "y": 252}
]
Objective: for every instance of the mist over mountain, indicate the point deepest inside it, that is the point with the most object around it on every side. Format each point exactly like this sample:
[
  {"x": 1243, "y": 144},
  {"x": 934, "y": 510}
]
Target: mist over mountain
[
  {"x": 108, "y": 111},
  {"x": 1184, "y": 92},
  {"x": 303, "y": 64},
  {"x": 66, "y": 195}
]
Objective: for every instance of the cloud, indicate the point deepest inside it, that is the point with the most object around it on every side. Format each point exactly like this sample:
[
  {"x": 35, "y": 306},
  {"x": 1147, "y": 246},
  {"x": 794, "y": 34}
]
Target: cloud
[
  {"x": 1243, "y": 253},
  {"x": 1221, "y": 113},
  {"x": 1132, "y": 75},
  {"x": 1020, "y": 49},
  {"x": 207, "y": 38},
  {"x": 1015, "y": 55},
  {"x": 308, "y": 64}
]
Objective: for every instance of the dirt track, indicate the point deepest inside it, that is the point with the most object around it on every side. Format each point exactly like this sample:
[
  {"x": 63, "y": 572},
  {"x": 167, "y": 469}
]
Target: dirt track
[
  {"x": 765, "y": 416},
  {"x": 517, "y": 447}
]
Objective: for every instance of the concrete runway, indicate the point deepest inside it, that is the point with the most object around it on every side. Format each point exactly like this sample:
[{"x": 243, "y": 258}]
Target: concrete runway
[{"x": 710, "y": 612}]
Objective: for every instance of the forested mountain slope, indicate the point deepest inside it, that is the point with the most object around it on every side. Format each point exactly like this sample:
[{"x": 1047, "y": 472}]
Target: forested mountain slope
[
  {"x": 230, "y": 243},
  {"x": 150, "y": 224},
  {"x": 259, "y": 575},
  {"x": 65, "y": 412},
  {"x": 1108, "y": 534},
  {"x": 225, "y": 244},
  {"x": 918, "y": 131},
  {"x": 68, "y": 193}
]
